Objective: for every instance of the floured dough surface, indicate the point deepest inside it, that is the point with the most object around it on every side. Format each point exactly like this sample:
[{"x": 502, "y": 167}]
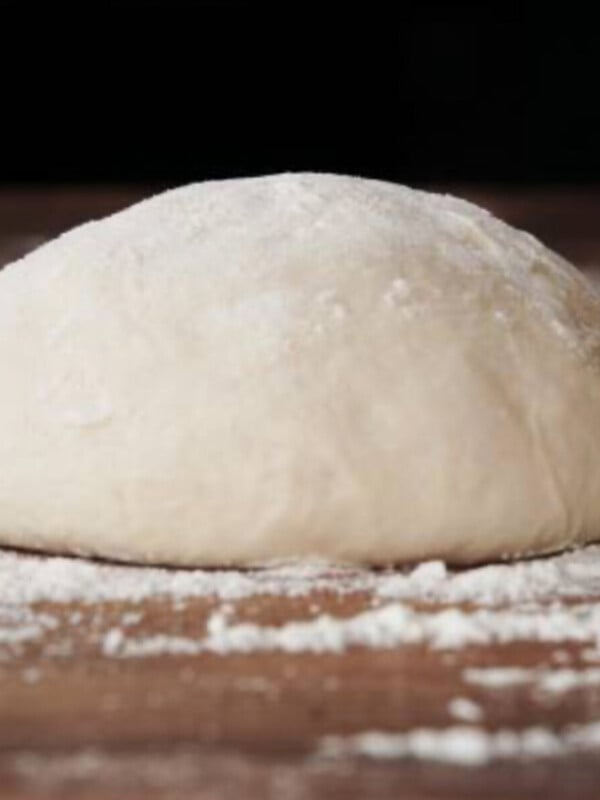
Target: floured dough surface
[{"x": 298, "y": 365}]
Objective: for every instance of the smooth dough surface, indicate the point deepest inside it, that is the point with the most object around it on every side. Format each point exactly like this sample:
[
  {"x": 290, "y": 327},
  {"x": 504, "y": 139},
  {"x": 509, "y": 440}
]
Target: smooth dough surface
[{"x": 298, "y": 365}]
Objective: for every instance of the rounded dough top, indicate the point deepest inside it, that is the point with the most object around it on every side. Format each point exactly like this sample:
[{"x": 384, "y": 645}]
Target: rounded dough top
[{"x": 298, "y": 365}]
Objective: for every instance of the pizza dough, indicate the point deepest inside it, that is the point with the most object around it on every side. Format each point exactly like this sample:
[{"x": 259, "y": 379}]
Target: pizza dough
[{"x": 298, "y": 365}]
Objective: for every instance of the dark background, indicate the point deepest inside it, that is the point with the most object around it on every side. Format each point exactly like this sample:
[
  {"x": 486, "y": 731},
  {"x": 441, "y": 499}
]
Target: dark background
[{"x": 170, "y": 92}]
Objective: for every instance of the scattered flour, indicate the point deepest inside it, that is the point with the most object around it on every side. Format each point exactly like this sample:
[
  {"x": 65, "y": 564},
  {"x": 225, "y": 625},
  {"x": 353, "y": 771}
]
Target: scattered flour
[
  {"x": 501, "y": 603},
  {"x": 390, "y": 626},
  {"x": 22, "y": 624},
  {"x": 26, "y": 579},
  {"x": 31, "y": 675},
  {"x": 15, "y": 635},
  {"x": 571, "y": 574},
  {"x": 465, "y": 745},
  {"x": 30, "y": 579},
  {"x": 465, "y": 710},
  {"x": 107, "y": 770},
  {"x": 540, "y": 601},
  {"x": 545, "y": 680},
  {"x": 460, "y": 746}
]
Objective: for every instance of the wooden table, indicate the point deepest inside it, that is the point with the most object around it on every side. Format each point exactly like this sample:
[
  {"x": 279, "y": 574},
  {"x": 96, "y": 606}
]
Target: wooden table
[{"x": 245, "y": 725}]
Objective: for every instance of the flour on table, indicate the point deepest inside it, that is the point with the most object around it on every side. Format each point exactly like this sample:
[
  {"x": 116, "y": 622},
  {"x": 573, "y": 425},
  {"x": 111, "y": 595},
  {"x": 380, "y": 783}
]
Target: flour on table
[
  {"x": 431, "y": 605},
  {"x": 465, "y": 710},
  {"x": 508, "y": 602},
  {"x": 33, "y": 579},
  {"x": 466, "y": 746},
  {"x": 393, "y": 625},
  {"x": 545, "y": 680}
]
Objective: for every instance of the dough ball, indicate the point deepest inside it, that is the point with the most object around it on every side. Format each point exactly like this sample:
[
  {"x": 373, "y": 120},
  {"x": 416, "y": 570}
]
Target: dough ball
[{"x": 298, "y": 365}]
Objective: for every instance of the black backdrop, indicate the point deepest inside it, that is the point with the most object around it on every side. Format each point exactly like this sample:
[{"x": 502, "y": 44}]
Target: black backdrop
[{"x": 170, "y": 92}]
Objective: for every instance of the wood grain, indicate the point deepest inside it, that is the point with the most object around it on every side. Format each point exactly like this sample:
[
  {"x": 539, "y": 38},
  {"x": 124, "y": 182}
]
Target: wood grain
[
  {"x": 77, "y": 724},
  {"x": 246, "y": 725}
]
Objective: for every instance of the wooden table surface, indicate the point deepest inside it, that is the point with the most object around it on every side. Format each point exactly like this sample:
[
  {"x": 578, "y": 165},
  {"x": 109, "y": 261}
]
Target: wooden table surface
[{"x": 75, "y": 724}]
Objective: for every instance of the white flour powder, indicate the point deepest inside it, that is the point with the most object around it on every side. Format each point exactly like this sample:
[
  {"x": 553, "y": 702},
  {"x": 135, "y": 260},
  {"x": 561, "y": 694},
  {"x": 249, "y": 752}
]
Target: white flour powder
[
  {"x": 466, "y": 745},
  {"x": 545, "y": 680},
  {"x": 31, "y": 579},
  {"x": 506, "y": 603},
  {"x": 548, "y": 600},
  {"x": 390, "y": 626}
]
